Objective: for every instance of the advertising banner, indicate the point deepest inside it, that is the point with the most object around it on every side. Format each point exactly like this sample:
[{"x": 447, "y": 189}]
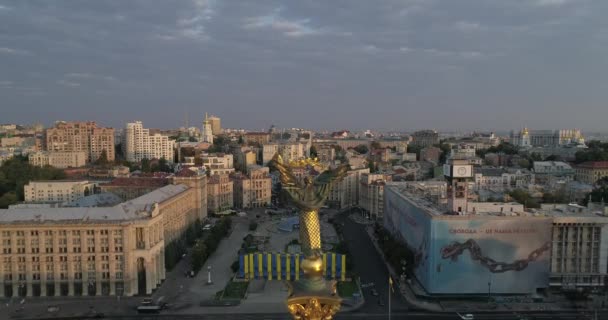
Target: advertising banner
[{"x": 482, "y": 254}]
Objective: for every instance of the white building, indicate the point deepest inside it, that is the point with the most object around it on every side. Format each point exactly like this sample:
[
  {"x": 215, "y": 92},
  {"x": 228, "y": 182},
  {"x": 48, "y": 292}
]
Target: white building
[
  {"x": 501, "y": 179},
  {"x": 139, "y": 144},
  {"x": 218, "y": 163},
  {"x": 58, "y": 159},
  {"x": 57, "y": 191},
  {"x": 207, "y": 130}
]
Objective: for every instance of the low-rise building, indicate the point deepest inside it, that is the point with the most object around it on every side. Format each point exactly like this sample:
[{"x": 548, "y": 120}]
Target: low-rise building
[
  {"x": 546, "y": 170},
  {"x": 502, "y": 179},
  {"x": 590, "y": 172},
  {"x": 58, "y": 159},
  {"x": 133, "y": 187},
  {"x": 60, "y": 191}
]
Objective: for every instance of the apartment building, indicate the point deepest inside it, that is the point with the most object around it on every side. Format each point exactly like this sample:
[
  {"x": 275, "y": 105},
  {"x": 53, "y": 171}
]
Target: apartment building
[
  {"x": 81, "y": 136},
  {"x": 288, "y": 150},
  {"x": 218, "y": 163},
  {"x": 138, "y": 144}
]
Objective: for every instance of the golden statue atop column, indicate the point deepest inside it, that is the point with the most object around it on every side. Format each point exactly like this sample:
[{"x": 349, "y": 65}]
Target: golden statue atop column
[{"x": 311, "y": 297}]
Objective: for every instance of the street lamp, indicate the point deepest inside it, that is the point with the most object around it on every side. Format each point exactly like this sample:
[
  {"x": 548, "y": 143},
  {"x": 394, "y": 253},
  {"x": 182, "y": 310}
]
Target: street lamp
[
  {"x": 209, "y": 275},
  {"x": 489, "y": 285}
]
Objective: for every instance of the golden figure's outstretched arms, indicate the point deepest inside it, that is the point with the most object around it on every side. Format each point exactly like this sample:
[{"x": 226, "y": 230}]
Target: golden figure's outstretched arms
[{"x": 288, "y": 180}]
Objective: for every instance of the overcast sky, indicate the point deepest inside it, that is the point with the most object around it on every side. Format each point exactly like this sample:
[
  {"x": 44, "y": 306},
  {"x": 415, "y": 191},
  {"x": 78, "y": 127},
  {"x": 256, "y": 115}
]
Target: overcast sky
[{"x": 383, "y": 64}]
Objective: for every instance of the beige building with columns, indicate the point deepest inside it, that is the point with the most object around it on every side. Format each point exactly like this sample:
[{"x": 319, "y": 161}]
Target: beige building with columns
[
  {"x": 220, "y": 195},
  {"x": 96, "y": 251}
]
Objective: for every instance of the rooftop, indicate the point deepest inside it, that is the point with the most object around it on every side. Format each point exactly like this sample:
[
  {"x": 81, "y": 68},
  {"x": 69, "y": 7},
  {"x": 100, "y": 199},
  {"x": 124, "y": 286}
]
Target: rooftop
[
  {"x": 594, "y": 165},
  {"x": 137, "y": 208},
  {"x": 137, "y": 182}
]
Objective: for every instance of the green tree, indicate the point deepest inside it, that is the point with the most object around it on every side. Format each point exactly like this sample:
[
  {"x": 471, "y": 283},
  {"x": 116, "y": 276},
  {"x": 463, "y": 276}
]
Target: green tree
[
  {"x": 103, "y": 159},
  {"x": 375, "y": 145},
  {"x": 7, "y": 199},
  {"x": 313, "y": 152},
  {"x": 200, "y": 254},
  {"x": 192, "y": 139},
  {"x": 361, "y": 149},
  {"x": 524, "y": 197},
  {"x": 241, "y": 140},
  {"x": 145, "y": 165},
  {"x": 163, "y": 165}
]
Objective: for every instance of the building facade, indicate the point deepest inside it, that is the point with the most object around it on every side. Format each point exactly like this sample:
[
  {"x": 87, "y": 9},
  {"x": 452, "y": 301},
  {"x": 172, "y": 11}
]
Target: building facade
[
  {"x": 257, "y": 137},
  {"x": 218, "y": 163},
  {"x": 220, "y": 193},
  {"x": 345, "y": 194},
  {"x": 216, "y": 125},
  {"x": 546, "y": 138},
  {"x": 81, "y": 136},
  {"x": 139, "y": 144},
  {"x": 96, "y": 251},
  {"x": 252, "y": 189},
  {"x": 425, "y": 138},
  {"x": 371, "y": 193},
  {"x": 289, "y": 151},
  {"x": 590, "y": 172},
  {"x": 57, "y": 191},
  {"x": 207, "y": 131},
  {"x": 58, "y": 159}
]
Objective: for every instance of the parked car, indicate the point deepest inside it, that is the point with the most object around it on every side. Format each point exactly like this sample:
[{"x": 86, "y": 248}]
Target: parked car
[{"x": 374, "y": 293}]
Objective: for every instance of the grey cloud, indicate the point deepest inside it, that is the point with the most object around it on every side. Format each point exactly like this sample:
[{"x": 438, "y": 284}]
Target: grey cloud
[{"x": 378, "y": 64}]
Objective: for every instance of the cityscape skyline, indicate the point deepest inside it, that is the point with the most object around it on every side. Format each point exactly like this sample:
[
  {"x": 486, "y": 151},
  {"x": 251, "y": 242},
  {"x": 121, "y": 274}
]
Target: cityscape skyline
[{"x": 384, "y": 65}]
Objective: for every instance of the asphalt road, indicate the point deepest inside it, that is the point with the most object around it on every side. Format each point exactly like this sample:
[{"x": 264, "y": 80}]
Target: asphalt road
[{"x": 368, "y": 264}]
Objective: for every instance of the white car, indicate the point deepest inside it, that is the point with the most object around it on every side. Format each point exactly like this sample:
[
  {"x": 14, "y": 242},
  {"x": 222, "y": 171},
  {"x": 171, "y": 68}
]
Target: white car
[{"x": 467, "y": 316}]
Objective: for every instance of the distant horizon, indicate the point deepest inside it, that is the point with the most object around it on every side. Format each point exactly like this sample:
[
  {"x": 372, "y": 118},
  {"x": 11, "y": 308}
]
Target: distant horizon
[{"x": 386, "y": 130}]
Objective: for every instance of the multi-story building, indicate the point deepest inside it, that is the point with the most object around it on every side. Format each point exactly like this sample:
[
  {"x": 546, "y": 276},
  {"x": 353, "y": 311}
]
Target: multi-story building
[
  {"x": 425, "y": 138},
  {"x": 590, "y": 172},
  {"x": 218, "y": 163},
  {"x": 58, "y": 191},
  {"x": 257, "y": 137},
  {"x": 252, "y": 189},
  {"x": 220, "y": 196},
  {"x": 244, "y": 158},
  {"x": 326, "y": 154},
  {"x": 371, "y": 193},
  {"x": 502, "y": 179},
  {"x": 546, "y": 171},
  {"x": 288, "y": 150},
  {"x": 81, "y": 136},
  {"x": 58, "y": 159},
  {"x": 139, "y": 144},
  {"x": 95, "y": 251},
  {"x": 345, "y": 194},
  {"x": 216, "y": 125},
  {"x": 546, "y": 138}
]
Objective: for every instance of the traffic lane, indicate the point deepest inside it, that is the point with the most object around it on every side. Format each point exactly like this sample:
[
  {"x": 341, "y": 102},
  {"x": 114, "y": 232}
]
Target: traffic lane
[{"x": 369, "y": 265}]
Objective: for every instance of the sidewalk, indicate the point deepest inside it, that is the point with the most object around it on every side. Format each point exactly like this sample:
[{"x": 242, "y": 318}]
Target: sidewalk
[{"x": 404, "y": 288}]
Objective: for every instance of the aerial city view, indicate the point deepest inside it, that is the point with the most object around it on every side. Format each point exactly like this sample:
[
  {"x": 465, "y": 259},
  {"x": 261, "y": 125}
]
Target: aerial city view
[{"x": 388, "y": 159}]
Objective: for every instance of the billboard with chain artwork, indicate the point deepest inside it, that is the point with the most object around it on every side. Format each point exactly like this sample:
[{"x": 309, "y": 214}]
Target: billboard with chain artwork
[{"x": 473, "y": 254}]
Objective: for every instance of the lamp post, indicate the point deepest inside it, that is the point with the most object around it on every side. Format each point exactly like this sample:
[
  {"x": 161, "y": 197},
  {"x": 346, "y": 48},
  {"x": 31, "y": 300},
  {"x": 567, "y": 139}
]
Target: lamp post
[
  {"x": 489, "y": 286},
  {"x": 209, "y": 275}
]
